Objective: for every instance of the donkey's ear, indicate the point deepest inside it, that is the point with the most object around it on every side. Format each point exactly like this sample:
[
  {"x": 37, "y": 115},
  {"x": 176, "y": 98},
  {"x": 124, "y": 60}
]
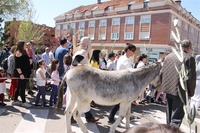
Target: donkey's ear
[{"x": 77, "y": 60}]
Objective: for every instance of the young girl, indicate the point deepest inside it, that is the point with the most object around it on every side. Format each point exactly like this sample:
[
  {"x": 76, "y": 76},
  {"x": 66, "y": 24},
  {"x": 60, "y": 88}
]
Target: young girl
[
  {"x": 41, "y": 80},
  {"x": 55, "y": 82},
  {"x": 2, "y": 87}
]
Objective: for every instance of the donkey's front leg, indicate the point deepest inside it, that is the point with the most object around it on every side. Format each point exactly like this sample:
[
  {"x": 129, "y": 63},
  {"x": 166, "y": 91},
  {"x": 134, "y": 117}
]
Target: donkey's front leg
[
  {"x": 69, "y": 112},
  {"x": 128, "y": 114}
]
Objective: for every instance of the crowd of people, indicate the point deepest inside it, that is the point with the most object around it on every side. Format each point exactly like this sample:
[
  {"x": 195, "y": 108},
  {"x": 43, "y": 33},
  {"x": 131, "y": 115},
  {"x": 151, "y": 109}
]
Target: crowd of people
[{"x": 52, "y": 65}]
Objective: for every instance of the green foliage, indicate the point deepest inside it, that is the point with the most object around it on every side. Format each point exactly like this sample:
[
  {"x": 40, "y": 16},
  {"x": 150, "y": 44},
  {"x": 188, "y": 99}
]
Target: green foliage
[
  {"x": 28, "y": 30},
  {"x": 13, "y": 8}
]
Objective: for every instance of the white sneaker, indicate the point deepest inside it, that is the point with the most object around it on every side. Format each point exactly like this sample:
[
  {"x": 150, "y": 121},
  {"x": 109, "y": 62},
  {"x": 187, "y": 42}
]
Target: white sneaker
[
  {"x": 17, "y": 103},
  {"x": 26, "y": 105}
]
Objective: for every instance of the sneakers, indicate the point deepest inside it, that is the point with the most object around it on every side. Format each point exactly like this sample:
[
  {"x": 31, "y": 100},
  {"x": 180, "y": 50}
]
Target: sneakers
[
  {"x": 45, "y": 105},
  {"x": 26, "y": 105},
  {"x": 93, "y": 119},
  {"x": 111, "y": 121},
  {"x": 17, "y": 103}
]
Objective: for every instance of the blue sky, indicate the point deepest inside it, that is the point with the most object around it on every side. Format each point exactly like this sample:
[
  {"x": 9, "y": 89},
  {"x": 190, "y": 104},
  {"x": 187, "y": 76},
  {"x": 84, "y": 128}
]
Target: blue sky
[{"x": 49, "y": 9}]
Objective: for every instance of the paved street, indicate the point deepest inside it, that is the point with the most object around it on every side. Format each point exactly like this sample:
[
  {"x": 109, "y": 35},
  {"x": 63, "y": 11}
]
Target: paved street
[{"x": 16, "y": 119}]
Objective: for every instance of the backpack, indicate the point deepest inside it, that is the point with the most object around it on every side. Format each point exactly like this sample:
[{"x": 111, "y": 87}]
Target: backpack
[{"x": 4, "y": 64}]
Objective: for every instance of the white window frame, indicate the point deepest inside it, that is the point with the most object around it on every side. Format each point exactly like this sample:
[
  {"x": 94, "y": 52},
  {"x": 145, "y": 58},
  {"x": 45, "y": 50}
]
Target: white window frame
[
  {"x": 179, "y": 22},
  {"x": 116, "y": 36},
  {"x": 130, "y": 20},
  {"x": 191, "y": 30},
  {"x": 102, "y": 36},
  {"x": 115, "y": 21},
  {"x": 82, "y": 25},
  {"x": 145, "y": 19},
  {"x": 91, "y": 24},
  {"x": 79, "y": 35},
  {"x": 185, "y": 26},
  {"x": 65, "y": 26},
  {"x": 103, "y": 23},
  {"x": 57, "y": 27},
  {"x": 91, "y": 36},
  {"x": 128, "y": 37},
  {"x": 73, "y": 26}
]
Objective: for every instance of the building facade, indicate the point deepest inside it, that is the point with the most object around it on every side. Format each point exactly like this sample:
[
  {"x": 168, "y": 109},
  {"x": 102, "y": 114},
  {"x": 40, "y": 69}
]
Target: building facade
[
  {"x": 11, "y": 27},
  {"x": 145, "y": 23}
]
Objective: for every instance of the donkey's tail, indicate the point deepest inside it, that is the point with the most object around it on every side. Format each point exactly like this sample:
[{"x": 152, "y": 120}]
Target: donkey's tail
[{"x": 60, "y": 93}]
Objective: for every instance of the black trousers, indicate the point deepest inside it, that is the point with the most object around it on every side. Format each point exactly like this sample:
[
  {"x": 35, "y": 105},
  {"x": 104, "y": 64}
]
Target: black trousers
[
  {"x": 175, "y": 112},
  {"x": 21, "y": 90}
]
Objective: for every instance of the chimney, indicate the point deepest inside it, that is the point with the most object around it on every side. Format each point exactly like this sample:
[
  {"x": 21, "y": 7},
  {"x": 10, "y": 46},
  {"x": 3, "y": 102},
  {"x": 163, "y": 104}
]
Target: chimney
[
  {"x": 98, "y": 1},
  {"x": 178, "y": 2}
]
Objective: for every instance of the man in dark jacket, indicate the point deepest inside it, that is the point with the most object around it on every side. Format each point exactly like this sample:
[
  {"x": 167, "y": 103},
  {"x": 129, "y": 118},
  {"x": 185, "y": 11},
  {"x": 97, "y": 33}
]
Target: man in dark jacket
[{"x": 171, "y": 83}]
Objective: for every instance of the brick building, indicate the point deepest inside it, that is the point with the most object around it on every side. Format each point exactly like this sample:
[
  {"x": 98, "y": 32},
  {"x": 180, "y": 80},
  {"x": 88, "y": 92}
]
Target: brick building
[
  {"x": 145, "y": 23},
  {"x": 11, "y": 27}
]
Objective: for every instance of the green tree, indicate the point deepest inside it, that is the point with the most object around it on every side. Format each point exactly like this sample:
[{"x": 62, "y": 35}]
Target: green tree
[
  {"x": 28, "y": 29},
  {"x": 13, "y": 8}
]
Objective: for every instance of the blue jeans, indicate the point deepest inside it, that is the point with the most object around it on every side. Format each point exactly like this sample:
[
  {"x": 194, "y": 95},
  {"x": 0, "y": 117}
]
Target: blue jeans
[
  {"x": 41, "y": 91},
  {"x": 53, "y": 97},
  {"x": 113, "y": 111}
]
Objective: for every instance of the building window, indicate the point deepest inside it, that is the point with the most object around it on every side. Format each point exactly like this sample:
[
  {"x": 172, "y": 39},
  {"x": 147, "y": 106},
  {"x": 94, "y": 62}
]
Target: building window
[
  {"x": 115, "y": 36},
  {"x": 57, "y": 27},
  {"x": 102, "y": 37},
  {"x": 145, "y": 27},
  {"x": 146, "y": 20},
  {"x": 128, "y": 35},
  {"x": 81, "y": 25},
  {"x": 115, "y": 21},
  {"x": 130, "y": 20},
  {"x": 185, "y": 26},
  {"x": 109, "y": 9},
  {"x": 91, "y": 24},
  {"x": 179, "y": 23},
  {"x": 80, "y": 35},
  {"x": 65, "y": 26},
  {"x": 146, "y": 3},
  {"x": 191, "y": 30},
  {"x": 103, "y": 23},
  {"x": 72, "y": 26},
  {"x": 91, "y": 36}
]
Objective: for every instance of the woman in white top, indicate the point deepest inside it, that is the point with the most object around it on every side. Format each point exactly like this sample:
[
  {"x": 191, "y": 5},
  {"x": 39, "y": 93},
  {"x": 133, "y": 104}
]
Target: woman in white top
[
  {"x": 41, "y": 81},
  {"x": 141, "y": 62}
]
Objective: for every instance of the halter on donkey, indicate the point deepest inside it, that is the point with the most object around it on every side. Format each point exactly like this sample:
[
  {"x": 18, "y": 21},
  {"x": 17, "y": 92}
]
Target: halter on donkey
[{"x": 88, "y": 84}]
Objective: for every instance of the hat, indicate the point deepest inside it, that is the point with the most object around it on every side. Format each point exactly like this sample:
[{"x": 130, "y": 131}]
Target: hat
[
  {"x": 111, "y": 55},
  {"x": 186, "y": 43}
]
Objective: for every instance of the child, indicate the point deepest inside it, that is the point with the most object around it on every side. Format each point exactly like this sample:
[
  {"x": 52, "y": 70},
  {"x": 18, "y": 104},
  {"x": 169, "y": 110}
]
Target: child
[
  {"x": 2, "y": 86},
  {"x": 55, "y": 82},
  {"x": 41, "y": 81}
]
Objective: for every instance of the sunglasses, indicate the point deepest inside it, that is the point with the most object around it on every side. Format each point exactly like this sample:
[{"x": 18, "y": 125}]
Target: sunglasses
[{"x": 132, "y": 50}]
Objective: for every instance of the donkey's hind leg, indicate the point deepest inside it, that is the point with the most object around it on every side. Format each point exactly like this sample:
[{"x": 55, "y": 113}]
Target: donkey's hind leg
[
  {"x": 122, "y": 110},
  {"x": 80, "y": 107},
  {"x": 69, "y": 112}
]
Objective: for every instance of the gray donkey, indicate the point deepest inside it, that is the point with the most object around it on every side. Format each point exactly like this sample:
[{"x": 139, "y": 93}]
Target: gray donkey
[{"x": 88, "y": 84}]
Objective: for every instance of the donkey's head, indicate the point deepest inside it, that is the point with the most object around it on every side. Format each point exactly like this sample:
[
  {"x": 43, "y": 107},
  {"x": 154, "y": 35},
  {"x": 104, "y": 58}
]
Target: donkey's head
[{"x": 157, "y": 81}]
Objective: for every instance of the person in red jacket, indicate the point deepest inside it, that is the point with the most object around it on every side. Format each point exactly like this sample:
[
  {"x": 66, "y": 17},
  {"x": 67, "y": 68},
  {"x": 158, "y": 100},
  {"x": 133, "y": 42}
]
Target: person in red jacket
[{"x": 2, "y": 87}]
